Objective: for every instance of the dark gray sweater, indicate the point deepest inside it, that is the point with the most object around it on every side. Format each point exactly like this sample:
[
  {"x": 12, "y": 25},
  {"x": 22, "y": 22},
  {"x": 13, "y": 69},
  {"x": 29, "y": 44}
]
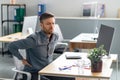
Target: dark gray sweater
[{"x": 39, "y": 50}]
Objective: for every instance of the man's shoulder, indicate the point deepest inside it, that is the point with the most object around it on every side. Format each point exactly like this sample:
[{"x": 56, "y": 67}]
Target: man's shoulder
[{"x": 34, "y": 35}]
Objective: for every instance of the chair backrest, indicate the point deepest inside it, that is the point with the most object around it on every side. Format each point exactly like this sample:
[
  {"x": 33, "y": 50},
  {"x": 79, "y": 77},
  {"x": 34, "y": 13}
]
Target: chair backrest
[
  {"x": 58, "y": 31},
  {"x": 19, "y": 66},
  {"x": 105, "y": 37},
  {"x": 29, "y": 25},
  {"x": 17, "y": 62}
]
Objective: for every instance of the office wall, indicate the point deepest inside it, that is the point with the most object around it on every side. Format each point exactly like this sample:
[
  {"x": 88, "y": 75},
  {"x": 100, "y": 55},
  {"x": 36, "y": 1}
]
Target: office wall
[
  {"x": 70, "y": 8},
  {"x": 73, "y": 8},
  {"x": 67, "y": 7},
  {"x": 72, "y": 27}
]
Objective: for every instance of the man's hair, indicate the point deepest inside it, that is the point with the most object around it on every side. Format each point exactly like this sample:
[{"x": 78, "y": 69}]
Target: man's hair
[{"x": 45, "y": 16}]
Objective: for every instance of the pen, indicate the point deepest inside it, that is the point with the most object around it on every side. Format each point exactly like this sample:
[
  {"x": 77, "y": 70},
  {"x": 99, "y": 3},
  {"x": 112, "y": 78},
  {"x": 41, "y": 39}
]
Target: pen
[{"x": 64, "y": 68}]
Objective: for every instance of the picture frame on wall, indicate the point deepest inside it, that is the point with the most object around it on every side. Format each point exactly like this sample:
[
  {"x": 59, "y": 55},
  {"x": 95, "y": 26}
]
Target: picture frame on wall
[{"x": 93, "y": 9}]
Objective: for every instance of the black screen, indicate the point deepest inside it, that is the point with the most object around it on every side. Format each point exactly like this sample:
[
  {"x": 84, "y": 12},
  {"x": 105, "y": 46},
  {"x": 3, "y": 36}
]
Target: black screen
[{"x": 105, "y": 37}]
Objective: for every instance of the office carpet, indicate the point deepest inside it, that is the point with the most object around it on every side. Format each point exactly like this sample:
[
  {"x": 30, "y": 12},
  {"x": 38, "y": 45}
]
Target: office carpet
[{"x": 6, "y": 65}]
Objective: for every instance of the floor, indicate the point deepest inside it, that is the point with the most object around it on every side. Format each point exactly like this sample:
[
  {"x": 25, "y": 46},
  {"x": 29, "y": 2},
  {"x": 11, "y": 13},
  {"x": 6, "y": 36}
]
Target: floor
[{"x": 6, "y": 64}]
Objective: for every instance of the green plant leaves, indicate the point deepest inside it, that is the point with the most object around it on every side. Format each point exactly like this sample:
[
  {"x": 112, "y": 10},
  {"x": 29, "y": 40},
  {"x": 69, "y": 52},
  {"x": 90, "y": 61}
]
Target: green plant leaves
[{"x": 96, "y": 54}]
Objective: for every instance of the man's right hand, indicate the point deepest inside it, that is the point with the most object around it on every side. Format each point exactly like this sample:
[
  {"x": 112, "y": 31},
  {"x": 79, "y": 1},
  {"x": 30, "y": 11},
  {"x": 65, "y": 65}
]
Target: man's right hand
[{"x": 25, "y": 62}]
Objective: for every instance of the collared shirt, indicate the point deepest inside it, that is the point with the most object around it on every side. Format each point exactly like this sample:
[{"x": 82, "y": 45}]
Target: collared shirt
[{"x": 38, "y": 48}]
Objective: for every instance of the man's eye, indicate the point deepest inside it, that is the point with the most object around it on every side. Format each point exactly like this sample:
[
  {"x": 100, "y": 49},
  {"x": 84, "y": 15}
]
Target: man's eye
[{"x": 48, "y": 24}]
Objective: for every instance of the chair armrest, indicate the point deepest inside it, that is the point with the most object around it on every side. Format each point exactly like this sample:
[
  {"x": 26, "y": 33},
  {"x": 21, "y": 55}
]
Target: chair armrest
[
  {"x": 66, "y": 40},
  {"x": 60, "y": 47},
  {"x": 61, "y": 43},
  {"x": 23, "y": 72}
]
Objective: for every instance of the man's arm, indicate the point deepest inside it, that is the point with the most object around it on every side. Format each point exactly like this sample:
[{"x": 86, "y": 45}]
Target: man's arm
[{"x": 14, "y": 47}]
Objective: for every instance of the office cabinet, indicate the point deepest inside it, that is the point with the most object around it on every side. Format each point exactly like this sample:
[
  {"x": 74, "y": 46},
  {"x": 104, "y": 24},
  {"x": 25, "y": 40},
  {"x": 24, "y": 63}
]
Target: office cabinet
[
  {"x": 12, "y": 16},
  {"x": 11, "y": 13}
]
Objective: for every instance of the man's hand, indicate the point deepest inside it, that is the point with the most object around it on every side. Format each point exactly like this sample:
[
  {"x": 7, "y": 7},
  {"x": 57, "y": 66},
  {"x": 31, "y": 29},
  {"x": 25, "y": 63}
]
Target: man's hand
[{"x": 25, "y": 62}]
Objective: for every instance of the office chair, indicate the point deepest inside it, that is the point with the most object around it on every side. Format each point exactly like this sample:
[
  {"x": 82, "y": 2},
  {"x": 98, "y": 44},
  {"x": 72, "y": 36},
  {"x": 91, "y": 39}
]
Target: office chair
[
  {"x": 105, "y": 37},
  {"x": 61, "y": 45},
  {"x": 19, "y": 67},
  {"x": 29, "y": 27}
]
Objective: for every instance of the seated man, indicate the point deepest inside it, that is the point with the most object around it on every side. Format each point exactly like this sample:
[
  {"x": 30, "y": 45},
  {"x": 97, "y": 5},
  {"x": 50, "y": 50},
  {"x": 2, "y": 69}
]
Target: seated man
[{"x": 39, "y": 48}]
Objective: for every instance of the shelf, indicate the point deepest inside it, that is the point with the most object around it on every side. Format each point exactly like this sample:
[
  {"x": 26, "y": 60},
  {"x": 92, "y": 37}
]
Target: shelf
[
  {"x": 19, "y": 14},
  {"x": 13, "y": 4},
  {"x": 10, "y": 21},
  {"x": 91, "y": 18}
]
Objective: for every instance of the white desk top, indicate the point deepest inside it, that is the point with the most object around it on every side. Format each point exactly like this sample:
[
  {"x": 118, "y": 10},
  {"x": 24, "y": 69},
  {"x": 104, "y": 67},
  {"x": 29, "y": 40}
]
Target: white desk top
[
  {"x": 12, "y": 37},
  {"x": 85, "y": 37},
  {"x": 53, "y": 68}
]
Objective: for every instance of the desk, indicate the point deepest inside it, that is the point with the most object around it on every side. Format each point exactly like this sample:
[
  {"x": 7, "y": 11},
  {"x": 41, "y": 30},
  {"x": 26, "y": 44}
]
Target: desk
[
  {"x": 12, "y": 37},
  {"x": 53, "y": 68},
  {"x": 83, "y": 41}
]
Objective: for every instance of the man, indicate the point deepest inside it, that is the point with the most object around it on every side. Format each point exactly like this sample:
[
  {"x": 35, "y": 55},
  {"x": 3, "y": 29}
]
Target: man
[{"x": 39, "y": 47}]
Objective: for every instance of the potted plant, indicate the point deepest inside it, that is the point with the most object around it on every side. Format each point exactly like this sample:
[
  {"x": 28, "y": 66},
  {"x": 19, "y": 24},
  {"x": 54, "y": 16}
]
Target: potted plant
[{"x": 95, "y": 55}]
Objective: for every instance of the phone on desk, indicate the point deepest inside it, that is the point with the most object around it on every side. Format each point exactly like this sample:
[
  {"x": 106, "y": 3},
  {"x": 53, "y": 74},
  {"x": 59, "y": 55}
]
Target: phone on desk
[{"x": 73, "y": 56}]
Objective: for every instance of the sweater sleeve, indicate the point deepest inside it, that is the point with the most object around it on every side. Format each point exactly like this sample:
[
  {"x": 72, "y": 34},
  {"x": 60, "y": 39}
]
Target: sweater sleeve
[{"x": 14, "y": 47}]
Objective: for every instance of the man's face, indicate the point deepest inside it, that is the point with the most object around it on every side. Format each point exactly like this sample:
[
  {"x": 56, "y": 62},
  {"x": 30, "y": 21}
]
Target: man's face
[{"x": 48, "y": 25}]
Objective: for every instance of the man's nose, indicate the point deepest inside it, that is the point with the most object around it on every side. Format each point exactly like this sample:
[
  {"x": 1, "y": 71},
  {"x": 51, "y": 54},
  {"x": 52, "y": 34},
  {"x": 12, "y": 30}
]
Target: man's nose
[{"x": 51, "y": 26}]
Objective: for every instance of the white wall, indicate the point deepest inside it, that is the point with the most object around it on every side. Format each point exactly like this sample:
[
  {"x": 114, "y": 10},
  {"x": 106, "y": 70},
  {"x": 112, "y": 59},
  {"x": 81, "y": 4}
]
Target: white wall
[
  {"x": 67, "y": 7},
  {"x": 70, "y": 7},
  {"x": 73, "y": 8}
]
